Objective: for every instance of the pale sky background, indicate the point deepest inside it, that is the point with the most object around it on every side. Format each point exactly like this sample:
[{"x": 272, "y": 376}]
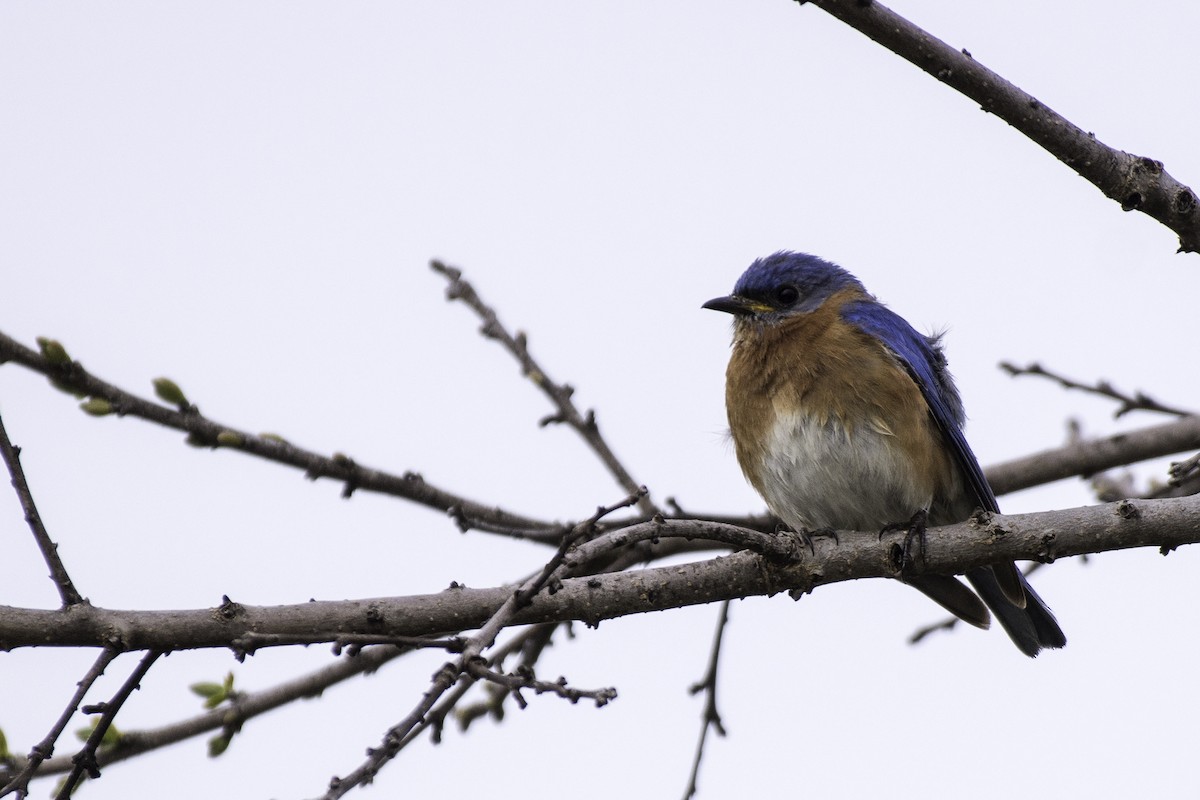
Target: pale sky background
[{"x": 245, "y": 197}]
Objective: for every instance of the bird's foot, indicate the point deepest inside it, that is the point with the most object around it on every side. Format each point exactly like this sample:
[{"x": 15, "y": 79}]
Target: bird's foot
[
  {"x": 806, "y": 536},
  {"x": 914, "y": 538}
]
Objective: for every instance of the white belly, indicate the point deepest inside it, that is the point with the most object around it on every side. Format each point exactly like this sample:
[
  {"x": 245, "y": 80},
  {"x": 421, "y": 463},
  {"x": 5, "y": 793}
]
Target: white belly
[{"x": 815, "y": 476}]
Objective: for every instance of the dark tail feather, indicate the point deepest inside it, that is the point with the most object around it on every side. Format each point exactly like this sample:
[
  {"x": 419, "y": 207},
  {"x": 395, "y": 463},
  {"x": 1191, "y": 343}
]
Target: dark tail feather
[
  {"x": 946, "y": 591},
  {"x": 1031, "y": 628}
]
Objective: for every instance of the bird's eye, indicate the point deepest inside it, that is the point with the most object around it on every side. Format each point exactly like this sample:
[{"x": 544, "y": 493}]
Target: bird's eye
[{"x": 787, "y": 295}]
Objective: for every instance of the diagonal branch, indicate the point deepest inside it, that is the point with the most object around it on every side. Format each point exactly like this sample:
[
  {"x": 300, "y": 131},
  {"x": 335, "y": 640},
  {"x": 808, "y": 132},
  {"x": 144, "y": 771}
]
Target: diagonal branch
[
  {"x": 58, "y": 573},
  {"x": 85, "y": 760},
  {"x": 71, "y": 376},
  {"x": 42, "y": 751},
  {"x": 1136, "y": 182},
  {"x": 558, "y": 394}
]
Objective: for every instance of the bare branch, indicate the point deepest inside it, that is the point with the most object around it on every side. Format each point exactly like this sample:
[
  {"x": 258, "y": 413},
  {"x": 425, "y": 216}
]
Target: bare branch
[
  {"x": 41, "y": 751},
  {"x": 558, "y": 394},
  {"x": 247, "y": 706},
  {"x": 1087, "y": 458},
  {"x": 1136, "y": 182},
  {"x": 514, "y": 682},
  {"x": 452, "y": 672},
  {"x": 583, "y": 530},
  {"x": 85, "y": 760},
  {"x": 58, "y": 573},
  {"x": 72, "y": 377},
  {"x": 1136, "y": 402},
  {"x": 708, "y": 684},
  {"x": 952, "y": 549},
  {"x": 534, "y": 641}
]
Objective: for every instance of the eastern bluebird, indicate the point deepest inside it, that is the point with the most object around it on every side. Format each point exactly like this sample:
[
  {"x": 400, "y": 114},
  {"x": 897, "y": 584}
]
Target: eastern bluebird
[{"x": 845, "y": 417}]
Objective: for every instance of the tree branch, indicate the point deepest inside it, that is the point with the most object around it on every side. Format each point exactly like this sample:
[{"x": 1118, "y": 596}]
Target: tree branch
[
  {"x": 42, "y": 751},
  {"x": 1136, "y": 182},
  {"x": 558, "y": 394},
  {"x": 711, "y": 719},
  {"x": 58, "y": 573},
  {"x": 85, "y": 760},
  {"x": 1128, "y": 402},
  {"x": 952, "y": 549},
  {"x": 247, "y": 706},
  {"x": 1086, "y": 458},
  {"x": 70, "y": 376}
]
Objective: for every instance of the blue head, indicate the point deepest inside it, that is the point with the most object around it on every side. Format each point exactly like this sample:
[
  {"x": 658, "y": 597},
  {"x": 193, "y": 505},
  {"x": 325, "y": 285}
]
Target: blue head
[{"x": 783, "y": 284}]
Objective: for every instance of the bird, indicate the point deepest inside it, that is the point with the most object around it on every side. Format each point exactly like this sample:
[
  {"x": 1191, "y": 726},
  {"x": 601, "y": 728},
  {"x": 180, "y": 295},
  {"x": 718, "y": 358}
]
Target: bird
[{"x": 844, "y": 417}]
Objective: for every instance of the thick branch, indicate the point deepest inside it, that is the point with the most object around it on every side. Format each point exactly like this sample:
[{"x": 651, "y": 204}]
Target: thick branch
[
  {"x": 1087, "y": 458},
  {"x": 1136, "y": 182},
  {"x": 952, "y": 549}
]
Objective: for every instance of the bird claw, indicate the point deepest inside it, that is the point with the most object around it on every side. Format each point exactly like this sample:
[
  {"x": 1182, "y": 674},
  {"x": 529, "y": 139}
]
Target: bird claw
[
  {"x": 807, "y": 537},
  {"x": 914, "y": 534}
]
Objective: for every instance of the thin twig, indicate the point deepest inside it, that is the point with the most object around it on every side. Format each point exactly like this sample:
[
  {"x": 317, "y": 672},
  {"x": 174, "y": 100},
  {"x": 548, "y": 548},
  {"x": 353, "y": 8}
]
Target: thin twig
[
  {"x": 58, "y": 573},
  {"x": 1134, "y": 402},
  {"x": 514, "y": 682},
  {"x": 1136, "y": 182},
  {"x": 41, "y": 751},
  {"x": 533, "y": 642},
  {"x": 85, "y": 760},
  {"x": 559, "y": 394},
  {"x": 583, "y": 530},
  {"x": 204, "y": 432},
  {"x": 708, "y": 685}
]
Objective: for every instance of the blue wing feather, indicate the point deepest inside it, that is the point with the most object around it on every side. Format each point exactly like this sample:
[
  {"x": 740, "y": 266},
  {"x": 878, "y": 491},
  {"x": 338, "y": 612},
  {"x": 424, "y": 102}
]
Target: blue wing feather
[{"x": 922, "y": 357}]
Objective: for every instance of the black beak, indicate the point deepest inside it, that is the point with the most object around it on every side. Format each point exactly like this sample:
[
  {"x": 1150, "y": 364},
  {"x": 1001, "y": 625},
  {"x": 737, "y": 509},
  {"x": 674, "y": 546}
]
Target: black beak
[{"x": 732, "y": 304}]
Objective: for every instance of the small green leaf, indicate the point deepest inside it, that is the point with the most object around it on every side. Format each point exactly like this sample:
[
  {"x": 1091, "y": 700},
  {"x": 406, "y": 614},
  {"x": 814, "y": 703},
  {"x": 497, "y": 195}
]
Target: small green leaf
[
  {"x": 97, "y": 407},
  {"x": 229, "y": 439},
  {"x": 207, "y": 689},
  {"x": 53, "y": 351},
  {"x": 168, "y": 391},
  {"x": 228, "y": 684},
  {"x": 4, "y": 754},
  {"x": 218, "y": 745}
]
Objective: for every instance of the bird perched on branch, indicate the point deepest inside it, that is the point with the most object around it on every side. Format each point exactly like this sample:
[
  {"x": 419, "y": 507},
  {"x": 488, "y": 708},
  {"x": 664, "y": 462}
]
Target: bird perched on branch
[{"x": 845, "y": 417}]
